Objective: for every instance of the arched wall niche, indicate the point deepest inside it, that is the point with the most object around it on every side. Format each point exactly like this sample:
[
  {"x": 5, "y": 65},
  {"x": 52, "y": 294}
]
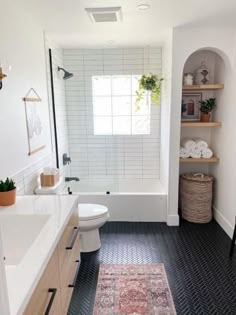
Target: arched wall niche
[
  {"x": 186, "y": 43},
  {"x": 217, "y": 63},
  {"x": 215, "y": 59}
]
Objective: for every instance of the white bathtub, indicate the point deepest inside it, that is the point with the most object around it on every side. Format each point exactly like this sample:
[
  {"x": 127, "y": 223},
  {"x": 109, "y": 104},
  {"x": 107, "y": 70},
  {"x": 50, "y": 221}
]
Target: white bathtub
[{"x": 128, "y": 200}]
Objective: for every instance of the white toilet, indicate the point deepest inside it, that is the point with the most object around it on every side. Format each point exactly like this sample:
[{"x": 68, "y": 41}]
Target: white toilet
[{"x": 92, "y": 217}]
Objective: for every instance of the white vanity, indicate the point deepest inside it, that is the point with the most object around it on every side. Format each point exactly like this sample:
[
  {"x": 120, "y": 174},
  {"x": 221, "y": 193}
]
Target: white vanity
[{"x": 40, "y": 236}]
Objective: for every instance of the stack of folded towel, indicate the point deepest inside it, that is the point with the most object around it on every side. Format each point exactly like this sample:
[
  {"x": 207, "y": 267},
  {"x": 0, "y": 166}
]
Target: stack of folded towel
[{"x": 195, "y": 148}]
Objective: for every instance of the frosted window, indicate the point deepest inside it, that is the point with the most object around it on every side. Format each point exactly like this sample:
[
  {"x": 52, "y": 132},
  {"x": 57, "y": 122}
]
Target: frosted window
[
  {"x": 140, "y": 125},
  {"x": 135, "y": 79},
  {"x": 114, "y": 109},
  {"x": 121, "y": 105},
  {"x": 121, "y": 85},
  {"x": 103, "y": 125},
  {"x": 101, "y": 85},
  {"x": 122, "y": 125},
  {"x": 144, "y": 108},
  {"x": 102, "y": 106}
]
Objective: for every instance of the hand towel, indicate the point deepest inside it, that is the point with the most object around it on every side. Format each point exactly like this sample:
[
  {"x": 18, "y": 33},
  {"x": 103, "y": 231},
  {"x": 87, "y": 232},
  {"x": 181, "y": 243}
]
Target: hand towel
[
  {"x": 195, "y": 153},
  {"x": 188, "y": 144},
  {"x": 183, "y": 153},
  {"x": 201, "y": 144},
  {"x": 207, "y": 153}
]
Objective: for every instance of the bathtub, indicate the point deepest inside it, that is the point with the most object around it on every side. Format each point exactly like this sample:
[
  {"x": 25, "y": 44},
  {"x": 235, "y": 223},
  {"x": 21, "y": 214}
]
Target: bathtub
[{"x": 128, "y": 200}]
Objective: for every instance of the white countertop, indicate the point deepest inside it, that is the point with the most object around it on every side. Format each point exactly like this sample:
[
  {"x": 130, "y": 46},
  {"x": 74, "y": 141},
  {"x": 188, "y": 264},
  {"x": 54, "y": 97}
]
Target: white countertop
[{"x": 22, "y": 279}]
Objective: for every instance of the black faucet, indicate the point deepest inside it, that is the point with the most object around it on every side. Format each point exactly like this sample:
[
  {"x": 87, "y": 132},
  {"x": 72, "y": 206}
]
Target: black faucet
[
  {"x": 66, "y": 159},
  {"x": 69, "y": 179}
]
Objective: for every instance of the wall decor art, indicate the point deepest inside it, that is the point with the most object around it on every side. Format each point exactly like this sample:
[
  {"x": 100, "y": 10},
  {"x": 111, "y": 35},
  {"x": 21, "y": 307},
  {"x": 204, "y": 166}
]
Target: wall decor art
[
  {"x": 190, "y": 106},
  {"x": 36, "y": 140}
]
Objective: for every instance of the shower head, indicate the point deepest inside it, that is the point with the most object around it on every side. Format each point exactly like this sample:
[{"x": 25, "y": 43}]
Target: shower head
[{"x": 67, "y": 75}]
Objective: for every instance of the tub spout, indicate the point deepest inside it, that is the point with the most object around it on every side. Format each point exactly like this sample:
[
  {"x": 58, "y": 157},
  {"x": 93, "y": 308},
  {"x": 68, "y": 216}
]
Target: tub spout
[{"x": 68, "y": 179}]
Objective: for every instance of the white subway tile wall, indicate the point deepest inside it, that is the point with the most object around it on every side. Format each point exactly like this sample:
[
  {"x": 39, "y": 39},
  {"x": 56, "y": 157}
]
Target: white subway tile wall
[
  {"x": 109, "y": 156},
  {"x": 28, "y": 179}
]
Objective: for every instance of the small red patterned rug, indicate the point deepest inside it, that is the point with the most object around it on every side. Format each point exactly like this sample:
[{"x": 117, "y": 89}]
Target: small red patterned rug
[{"x": 133, "y": 290}]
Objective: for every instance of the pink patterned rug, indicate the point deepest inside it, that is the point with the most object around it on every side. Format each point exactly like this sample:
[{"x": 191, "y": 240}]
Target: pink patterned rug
[{"x": 135, "y": 289}]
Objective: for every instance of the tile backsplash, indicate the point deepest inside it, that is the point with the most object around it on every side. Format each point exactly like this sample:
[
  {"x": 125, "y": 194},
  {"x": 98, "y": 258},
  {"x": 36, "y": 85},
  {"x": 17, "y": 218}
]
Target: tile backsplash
[{"x": 28, "y": 179}]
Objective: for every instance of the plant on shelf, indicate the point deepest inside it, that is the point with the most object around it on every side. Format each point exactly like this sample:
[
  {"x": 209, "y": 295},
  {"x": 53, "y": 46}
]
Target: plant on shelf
[
  {"x": 149, "y": 84},
  {"x": 206, "y": 108},
  {"x": 7, "y": 192}
]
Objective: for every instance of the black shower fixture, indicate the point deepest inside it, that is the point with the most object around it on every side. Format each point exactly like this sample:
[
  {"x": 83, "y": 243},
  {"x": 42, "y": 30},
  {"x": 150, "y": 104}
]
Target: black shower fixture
[{"x": 67, "y": 75}]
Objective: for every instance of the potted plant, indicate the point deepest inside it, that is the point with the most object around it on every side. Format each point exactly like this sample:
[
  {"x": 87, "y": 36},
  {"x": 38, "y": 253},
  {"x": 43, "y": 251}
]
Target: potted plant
[
  {"x": 7, "y": 192},
  {"x": 151, "y": 84},
  {"x": 206, "y": 107}
]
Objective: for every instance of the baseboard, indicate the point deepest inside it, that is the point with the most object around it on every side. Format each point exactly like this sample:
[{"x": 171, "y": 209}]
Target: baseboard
[
  {"x": 223, "y": 222},
  {"x": 173, "y": 220}
]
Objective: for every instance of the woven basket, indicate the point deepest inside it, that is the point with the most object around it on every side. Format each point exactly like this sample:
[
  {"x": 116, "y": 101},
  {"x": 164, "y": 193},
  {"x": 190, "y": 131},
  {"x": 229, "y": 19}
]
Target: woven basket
[{"x": 196, "y": 197}]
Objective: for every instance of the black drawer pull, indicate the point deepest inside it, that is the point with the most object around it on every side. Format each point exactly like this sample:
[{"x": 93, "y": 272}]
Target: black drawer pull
[
  {"x": 53, "y": 291},
  {"x": 74, "y": 236},
  {"x": 76, "y": 274}
]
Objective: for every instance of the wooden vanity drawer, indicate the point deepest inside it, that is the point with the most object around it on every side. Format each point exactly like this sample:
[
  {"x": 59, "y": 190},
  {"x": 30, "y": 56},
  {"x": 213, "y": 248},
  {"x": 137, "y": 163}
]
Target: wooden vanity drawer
[
  {"x": 59, "y": 275},
  {"x": 66, "y": 294},
  {"x": 41, "y": 298},
  {"x": 69, "y": 251},
  {"x": 69, "y": 265}
]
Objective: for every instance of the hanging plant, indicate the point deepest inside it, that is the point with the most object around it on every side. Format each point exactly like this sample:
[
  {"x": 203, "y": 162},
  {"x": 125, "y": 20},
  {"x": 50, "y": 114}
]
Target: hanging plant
[{"x": 151, "y": 84}]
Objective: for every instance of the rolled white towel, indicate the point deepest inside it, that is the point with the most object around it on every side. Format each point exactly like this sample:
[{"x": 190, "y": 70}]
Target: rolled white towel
[
  {"x": 195, "y": 153},
  {"x": 207, "y": 153},
  {"x": 188, "y": 144},
  {"x": 183, "y": 153},
  {"x": 201, "y": 144}
]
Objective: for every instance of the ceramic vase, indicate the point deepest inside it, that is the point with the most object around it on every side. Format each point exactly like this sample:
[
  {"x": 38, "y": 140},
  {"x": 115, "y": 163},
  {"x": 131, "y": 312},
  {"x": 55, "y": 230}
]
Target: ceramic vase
[{"x": 202, "y": 74}]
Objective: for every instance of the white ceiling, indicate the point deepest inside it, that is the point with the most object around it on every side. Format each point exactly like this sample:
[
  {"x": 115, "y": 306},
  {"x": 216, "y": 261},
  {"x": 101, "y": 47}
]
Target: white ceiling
[{"x": 67, "y": 22}]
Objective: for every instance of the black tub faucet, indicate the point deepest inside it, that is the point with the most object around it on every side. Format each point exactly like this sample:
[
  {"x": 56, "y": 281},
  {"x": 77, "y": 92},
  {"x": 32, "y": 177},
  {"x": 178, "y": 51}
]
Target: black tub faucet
[{"x": 69, "y": 179}]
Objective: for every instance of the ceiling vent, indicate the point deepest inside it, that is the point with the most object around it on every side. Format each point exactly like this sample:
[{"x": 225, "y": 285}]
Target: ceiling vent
[{"x": 107, "y": 14}]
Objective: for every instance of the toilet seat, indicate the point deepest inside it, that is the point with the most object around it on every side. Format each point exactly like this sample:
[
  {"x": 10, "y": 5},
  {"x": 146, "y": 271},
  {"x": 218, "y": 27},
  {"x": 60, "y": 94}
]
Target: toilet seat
[{"x": 89, "y": 211}]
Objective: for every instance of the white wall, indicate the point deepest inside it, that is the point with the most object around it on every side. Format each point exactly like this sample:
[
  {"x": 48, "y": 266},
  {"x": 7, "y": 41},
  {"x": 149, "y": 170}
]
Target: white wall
[
  {"x": 93, "y": 156},
  {"x": 223, "y": 140},
  {"x": 172, "y": 219},
  {"x": 22, "y": 47},
  {"x": 185, "y": 42}
]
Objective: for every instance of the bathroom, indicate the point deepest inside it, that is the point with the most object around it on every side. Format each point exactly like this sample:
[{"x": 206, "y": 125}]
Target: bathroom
[{"x": 130, "y": 167}]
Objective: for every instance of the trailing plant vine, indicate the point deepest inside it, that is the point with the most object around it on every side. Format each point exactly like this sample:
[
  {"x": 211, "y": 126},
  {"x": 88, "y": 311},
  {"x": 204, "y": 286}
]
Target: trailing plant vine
[{"x": 151, "y": 84}]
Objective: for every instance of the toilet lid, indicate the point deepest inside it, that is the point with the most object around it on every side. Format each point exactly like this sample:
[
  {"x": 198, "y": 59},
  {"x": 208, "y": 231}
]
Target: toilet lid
[{"x": 89, "y": 211}]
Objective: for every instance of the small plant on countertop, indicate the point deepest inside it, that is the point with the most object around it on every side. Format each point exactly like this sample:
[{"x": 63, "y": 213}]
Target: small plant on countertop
[
  {"x": 207, "y": 106},
  {"x": 7, "y": 185},
  {"x": 150, "y": 83}
]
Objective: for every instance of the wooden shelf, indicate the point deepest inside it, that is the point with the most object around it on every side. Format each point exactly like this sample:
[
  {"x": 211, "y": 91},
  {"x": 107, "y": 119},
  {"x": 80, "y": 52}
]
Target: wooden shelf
[
  {"x": 201, "y": 160},
  {"x": 201, "y": 124},
  {"x": 203, "y": 87}
]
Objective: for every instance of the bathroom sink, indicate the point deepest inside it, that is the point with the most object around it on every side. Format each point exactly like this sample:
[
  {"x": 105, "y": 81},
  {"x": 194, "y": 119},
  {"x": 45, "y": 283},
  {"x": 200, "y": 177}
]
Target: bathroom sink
[{"x": 19, "y": 231}]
